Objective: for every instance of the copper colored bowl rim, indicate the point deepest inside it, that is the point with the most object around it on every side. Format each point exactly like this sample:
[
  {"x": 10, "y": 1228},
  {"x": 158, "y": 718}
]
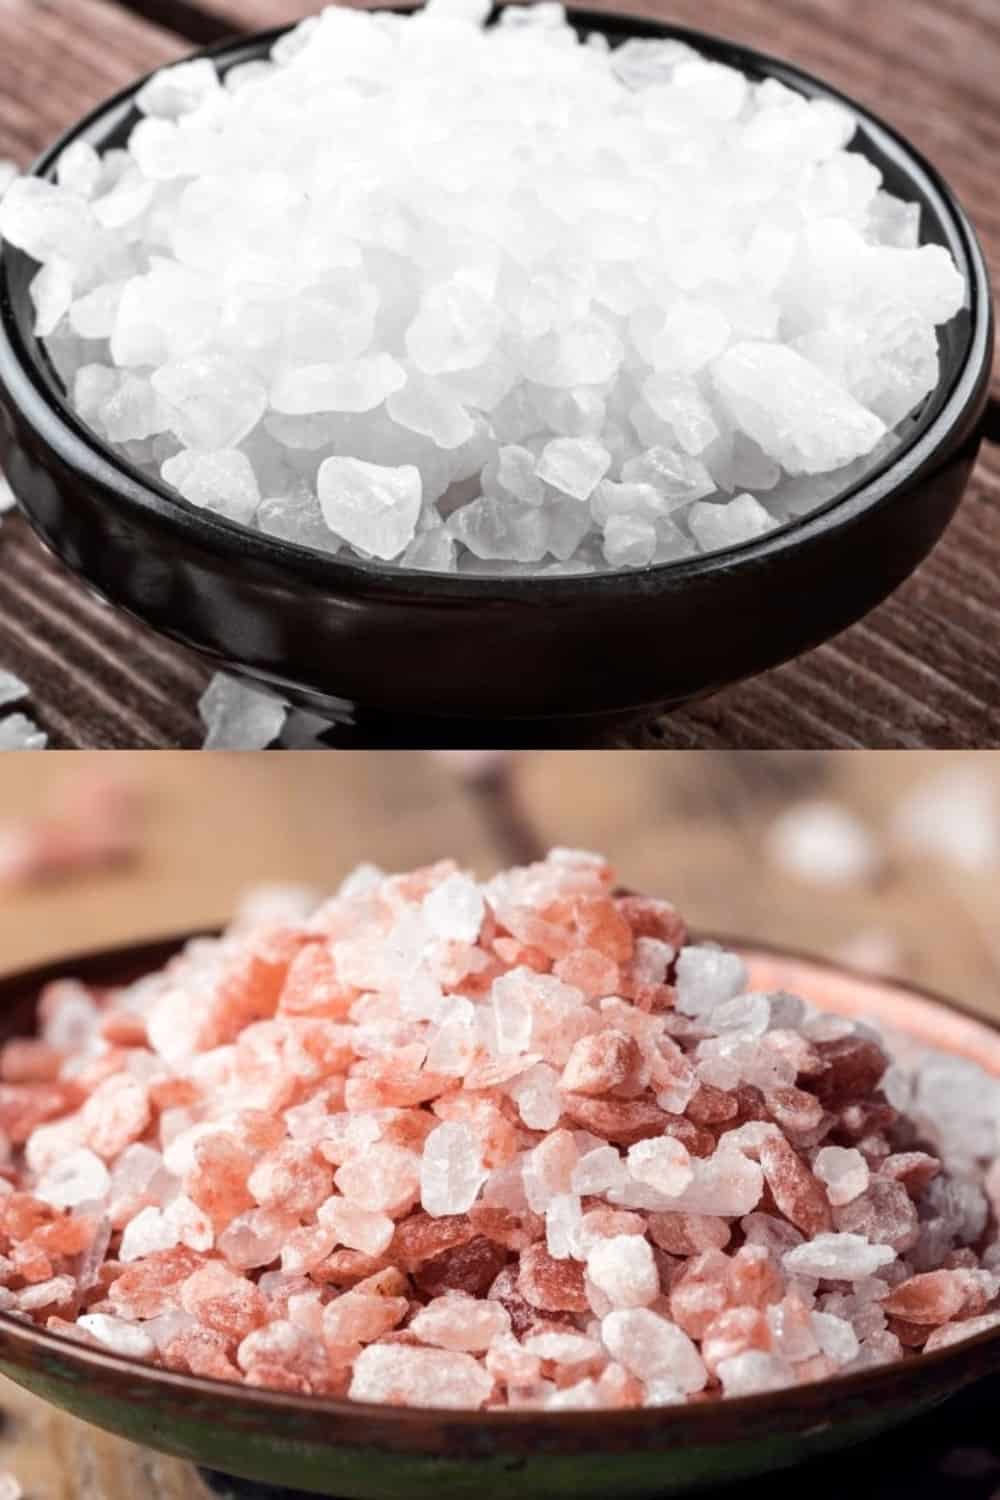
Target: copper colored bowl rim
[{"x": 950, "y": 1368}]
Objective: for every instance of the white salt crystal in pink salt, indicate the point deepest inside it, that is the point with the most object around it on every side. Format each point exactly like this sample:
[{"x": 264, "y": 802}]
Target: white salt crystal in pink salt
[
  {"x": 147, "y": 1233},
  {"x": 844, "y": 1173},
  {"x": 653, "y": 1348},
  {"x": 386, "y": 1178},
  {"x": 454, "y": 909},
  {"x": 536, "y": 1094},
  {"x": 598, "y": 1171},
  {"x": 118, "y": 1334},
  {"x": 838, "y": 1257},
  {"x": 726, "y": 1183},
  {"x": 836, "y": 1337},
  {"x": 80, "y": 1178},
  {"x": 451, "y": 1170},
  {"x": 358, "y": 1228},
  {"x": 407, "y": 1376},
  {"x": 623, "y": 1268},
  {"x": 754, "y": 1372},
  {"x": 663, "y": 1164}
]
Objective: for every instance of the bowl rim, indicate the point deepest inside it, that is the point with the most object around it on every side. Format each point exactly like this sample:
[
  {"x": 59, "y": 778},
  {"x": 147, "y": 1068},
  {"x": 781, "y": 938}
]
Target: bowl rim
[
  {"x": 86, "y": 454},
  {"x": 686, "y": 1422}
]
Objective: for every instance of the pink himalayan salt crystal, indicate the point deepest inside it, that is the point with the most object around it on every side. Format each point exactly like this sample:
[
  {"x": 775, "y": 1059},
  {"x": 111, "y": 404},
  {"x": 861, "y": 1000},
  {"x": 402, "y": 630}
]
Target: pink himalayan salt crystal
[
  {"x": 843, "y": 1172},
  {"x": 462, "y": 1323},
  {"x": 411, "y": 1376},
  {"x": 576, "y": 1151},
  {"x": 385, "y": 1179},
  {"x": 356, "y": 1227},
  {"x": 623, "y": 1268},
  {"x": 954, "y": 1333}
]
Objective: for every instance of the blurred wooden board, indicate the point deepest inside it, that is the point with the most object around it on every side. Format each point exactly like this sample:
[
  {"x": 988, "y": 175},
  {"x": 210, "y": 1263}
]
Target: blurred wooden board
[{"x": 921, "y": 671}]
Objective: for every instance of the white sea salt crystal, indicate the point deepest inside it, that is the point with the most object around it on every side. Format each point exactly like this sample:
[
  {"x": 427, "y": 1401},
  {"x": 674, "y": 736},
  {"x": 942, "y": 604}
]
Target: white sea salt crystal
[
  {"x": 792, "y": 409},
  {"x": 12, "y": 689},
  {"x": 573, "y": 465},
  {"x": 238, "y": 717},
  {"x": 80, "y": 1177},
  {"x": 740, "y": 520},
  {"x": 663, "y": 1164},
  {"x": 261, "y": 281},
  {"x": 451, "y": 1170},
  {"x": 371, "y": 506},
  {"x": 18, "y": 732},
  {"x": 9, "y": 172},
  {"x": 838, "y": 1257},
  {"x": 825, "y": 843},
  {"x": 150, "y": 1231},
  {"x": 223, "y": 481}
]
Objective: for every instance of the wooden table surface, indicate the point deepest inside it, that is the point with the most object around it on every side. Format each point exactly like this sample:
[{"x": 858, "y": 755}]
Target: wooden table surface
[
  {"x": 690, "y": 826},
  {"x": 921, "y": 671}
]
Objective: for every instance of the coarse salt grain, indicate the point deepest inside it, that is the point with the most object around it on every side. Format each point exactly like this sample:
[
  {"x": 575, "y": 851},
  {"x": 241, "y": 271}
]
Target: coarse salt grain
[
  {"x": 413, "y": 1144},
  {"x": 335, "y": 296}
]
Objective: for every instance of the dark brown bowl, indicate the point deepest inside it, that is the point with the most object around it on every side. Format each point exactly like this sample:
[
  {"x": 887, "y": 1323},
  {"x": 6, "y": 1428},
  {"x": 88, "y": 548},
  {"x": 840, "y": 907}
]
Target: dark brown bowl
[
  {"x": 369, "y": 1452},
  {"x": 421, "y": 658}
]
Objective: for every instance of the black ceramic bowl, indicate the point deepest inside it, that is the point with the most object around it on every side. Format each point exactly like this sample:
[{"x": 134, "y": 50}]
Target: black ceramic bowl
[
  {"x": 360, "y": 1451},
  {"x": 411, "y": 658}
]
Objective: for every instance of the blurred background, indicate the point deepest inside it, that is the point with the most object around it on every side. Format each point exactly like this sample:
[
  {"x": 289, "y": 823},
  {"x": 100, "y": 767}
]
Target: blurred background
[{"x": 890, "y": 860}]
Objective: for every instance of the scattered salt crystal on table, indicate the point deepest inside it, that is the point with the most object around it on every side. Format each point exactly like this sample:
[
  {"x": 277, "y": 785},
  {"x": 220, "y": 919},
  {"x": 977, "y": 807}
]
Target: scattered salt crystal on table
[
  {"x": 336, "y": 296},
  {"x": 18, "y": 732},
  {"x": 12, "y": 689},
  {"x": 825, "y": 843},
  {"x": 439, "y": 1142},
  {"x": 238, "y": 717}
]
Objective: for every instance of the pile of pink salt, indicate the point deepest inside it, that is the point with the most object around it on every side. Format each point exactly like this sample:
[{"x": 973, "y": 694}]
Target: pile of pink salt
[{"x": 512, "y": 1144}]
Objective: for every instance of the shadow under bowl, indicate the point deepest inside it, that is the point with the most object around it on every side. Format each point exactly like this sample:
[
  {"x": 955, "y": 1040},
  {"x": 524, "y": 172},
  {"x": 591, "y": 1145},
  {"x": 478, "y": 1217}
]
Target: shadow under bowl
[
  {"x": 367, "y": 1452},
  {"x": 406, "y": 658}
]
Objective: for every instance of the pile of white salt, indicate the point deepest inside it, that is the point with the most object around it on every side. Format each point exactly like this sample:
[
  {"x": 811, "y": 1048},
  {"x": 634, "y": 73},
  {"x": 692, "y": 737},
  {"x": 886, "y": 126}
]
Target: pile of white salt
[{"x": 495, "y": 300}]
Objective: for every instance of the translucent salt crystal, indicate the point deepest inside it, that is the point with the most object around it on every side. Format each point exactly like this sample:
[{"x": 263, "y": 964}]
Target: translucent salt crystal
[
  {"x": 515, "y": 475},
  {"x": 838, "y": 1257},
  {"x": 296, "y": 517},
  {"x": 663, "y": 1164},
  {"x": 12, "y": 689},
  {"x": 358, "y": 386},
  {"x": 562, "y": 1225},
  {"x": 180, "y": 89},
  {"x": 844, "y": 1173},
  {"x": 223, "y": 482},
  {"x": 677, "y": 476},
  {"x": 629, "y": 541},
  {"x": 598, "y": 1171},
  {"x": 792, "y": 409},
  {"x": 212, "y": 402},
  {"x": 653, "y": 1348},
  {"x": 429, "y": 409},
  {"x": 575, "y": 466},
  {"x": 411, "y": 1376},
  {"x": 682, "y": 406},
  {"x": 147, "y": 1233},
  {"x": 45, "y": 220},
  {"x": 237, "y": 717},
  {"x": 454, "y": 329},
  {"x": 451, "y": 1169},
  {"x": 455, "y": 909},
  {"x": 373, "y": 507},
  {"x": 730, "y": 524},
  {"x": 81, "y": 1177},
  {"x": 18, "y": 732},
  {"x": 837, "y": 1339},
  {"x": 726, "y": 1183},
  {"x": 497, "y": 532},
  {"x": 824, "y": 843},
  {"x": 536, "y": 1094},
  {"x": 623, "y": 1268},
  {"x": 754, "y": 1372},
  {"x": 707, "y": 977},
  {"x": 692, "y": 334},
  {"x": 52, "y": 293}
]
